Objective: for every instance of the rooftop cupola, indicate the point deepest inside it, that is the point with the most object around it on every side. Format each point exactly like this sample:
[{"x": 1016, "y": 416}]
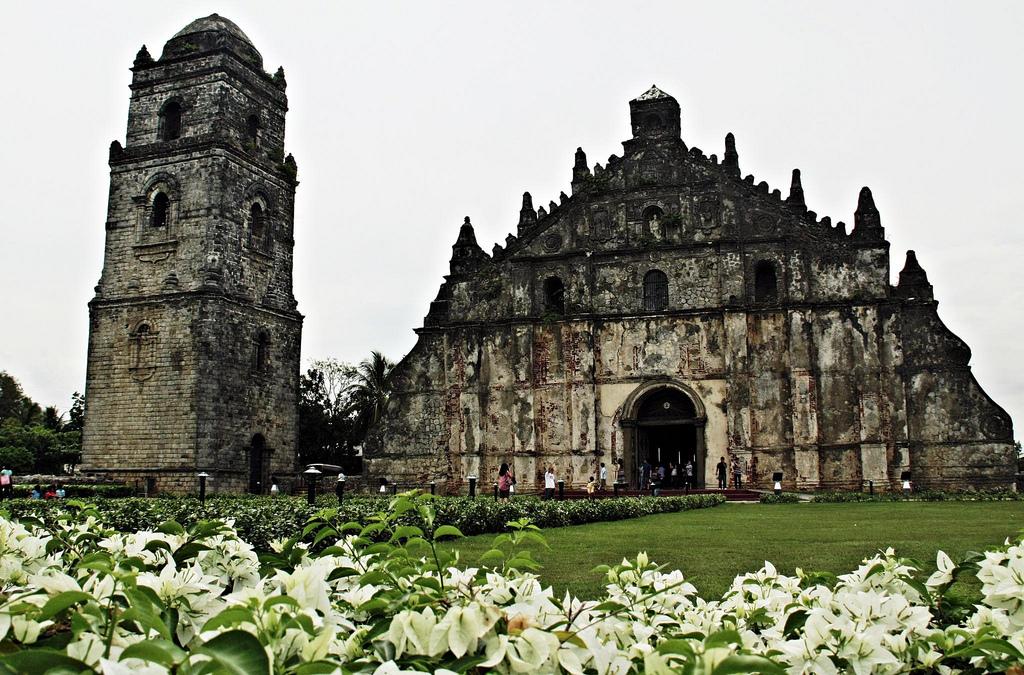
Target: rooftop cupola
[
  {"x": 654, "y": 116},
  {"x": 913, "y": 283},
  {"x": 466, "y": 253},
  {"x": 867, "y": 223},
  {"x": 209, "y": 34}
]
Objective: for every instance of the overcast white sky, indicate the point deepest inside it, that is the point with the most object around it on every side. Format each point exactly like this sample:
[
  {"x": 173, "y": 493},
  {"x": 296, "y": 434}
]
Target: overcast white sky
[{"x": 407, "y": 116}]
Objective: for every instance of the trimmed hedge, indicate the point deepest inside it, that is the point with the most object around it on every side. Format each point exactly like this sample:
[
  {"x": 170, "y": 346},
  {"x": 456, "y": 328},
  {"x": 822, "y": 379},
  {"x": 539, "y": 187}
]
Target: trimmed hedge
[
  {"x": 922, "y": 496},
  {"x": 261, "y": 520},
  {"x": 784, "y": 498}
]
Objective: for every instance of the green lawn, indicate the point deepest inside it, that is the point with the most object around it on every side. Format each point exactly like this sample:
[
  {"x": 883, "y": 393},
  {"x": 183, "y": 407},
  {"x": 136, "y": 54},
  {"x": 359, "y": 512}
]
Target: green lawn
[{"x": 712, "y": 546}]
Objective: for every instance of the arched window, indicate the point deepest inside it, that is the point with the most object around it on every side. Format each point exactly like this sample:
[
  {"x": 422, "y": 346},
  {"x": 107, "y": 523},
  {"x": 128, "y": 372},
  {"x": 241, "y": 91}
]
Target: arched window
[
  {"x": 655, "y": 291},
  {"x": 161, "y": 210},
  {"x": 766, "y": 283},
  {"x": 259, "y": 235},
  {"x": 554, "y": 295},
  {"x": 170, "y": 121},
  {"x": 252, "y": 128},
  {"x": 261, "y": 356},
  {"x": 142, "y": 356}
]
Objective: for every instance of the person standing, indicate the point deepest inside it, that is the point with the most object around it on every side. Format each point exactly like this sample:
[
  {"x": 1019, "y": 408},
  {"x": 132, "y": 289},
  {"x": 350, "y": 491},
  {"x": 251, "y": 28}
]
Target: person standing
[
  {"x": 673, "y": 475},
  {"x": 620, "y": 473},
  {"x": 590, "y": 488},
  {"x": 645, "y": 475},
  {"x": 737, "y": 474},
  {"x": 505, "y": 481},
  {"x": 603, "y": 474},
  {"x": 721, "y": 470},
  {"x": 549, "y": 483},
  {"x": 6, "y": 483}
]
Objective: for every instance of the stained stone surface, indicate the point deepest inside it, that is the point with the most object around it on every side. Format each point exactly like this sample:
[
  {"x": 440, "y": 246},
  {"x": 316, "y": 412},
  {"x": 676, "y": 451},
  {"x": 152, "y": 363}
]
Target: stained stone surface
[
  {"x": 781, "y": 337},
  {"x": 194, "y": 334}
]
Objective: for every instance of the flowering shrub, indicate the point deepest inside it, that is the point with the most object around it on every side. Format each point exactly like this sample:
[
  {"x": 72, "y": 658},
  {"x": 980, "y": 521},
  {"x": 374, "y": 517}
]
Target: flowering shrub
[
  {"x": 383, "y": 597},
  {"x": 993, "y": 495},
  {"x": 782, "y": 498},
  {"x": 260, "y": 520}
]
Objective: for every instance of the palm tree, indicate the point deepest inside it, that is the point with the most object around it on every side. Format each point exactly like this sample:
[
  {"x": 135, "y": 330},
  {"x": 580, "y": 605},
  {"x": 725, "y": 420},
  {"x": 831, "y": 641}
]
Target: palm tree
[{"x": 368, "y": 394}]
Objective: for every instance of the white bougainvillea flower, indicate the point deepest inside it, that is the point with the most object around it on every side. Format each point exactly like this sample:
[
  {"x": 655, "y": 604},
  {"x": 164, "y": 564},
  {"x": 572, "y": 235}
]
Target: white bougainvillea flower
[{"x": 943, "y": 573}]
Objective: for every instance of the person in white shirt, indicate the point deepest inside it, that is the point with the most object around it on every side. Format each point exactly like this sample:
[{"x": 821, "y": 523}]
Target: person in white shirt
[
  {"x": 604, "y": 477},
  {"x": 549, "y": 483}
]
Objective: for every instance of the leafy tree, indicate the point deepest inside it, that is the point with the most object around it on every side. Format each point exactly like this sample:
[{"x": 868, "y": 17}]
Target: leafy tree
[
  {"x": 76, "y": 414},
  {"x": 52, "y": 419},
  {"x": 369, "y": 393},
  {"x": 325, "y": 427}
]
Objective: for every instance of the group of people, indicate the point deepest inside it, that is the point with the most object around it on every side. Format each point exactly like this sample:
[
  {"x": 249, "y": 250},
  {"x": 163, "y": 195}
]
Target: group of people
[
  {"x": 664, "y": 476},
  {"x": 52, "y": 491},
  {"x": 667, "y": 476}
]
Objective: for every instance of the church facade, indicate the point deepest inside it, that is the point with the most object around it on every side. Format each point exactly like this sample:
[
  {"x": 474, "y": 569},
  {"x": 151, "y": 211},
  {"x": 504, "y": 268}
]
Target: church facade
[
  {"x": 194, "y": 334},
  {"x": 670, "y": 309}
]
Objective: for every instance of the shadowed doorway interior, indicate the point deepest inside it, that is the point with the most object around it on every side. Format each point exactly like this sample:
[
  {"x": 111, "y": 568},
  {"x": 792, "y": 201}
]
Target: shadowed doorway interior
[{"x": 668, "y": 431}]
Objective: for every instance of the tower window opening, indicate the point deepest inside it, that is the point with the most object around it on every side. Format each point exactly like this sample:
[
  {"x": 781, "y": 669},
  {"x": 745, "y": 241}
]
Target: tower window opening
[
  {"x": 765, "y": 282},
  {"x": 170, "y": 121},
  {"x": 261, "y": 358},
  {"x": 655, "y": 291},
  {"x": 554, "y": 295},
  {"x": 252, "y": 128},
  {"x": 258, "y": 231},
  {"x": 161, "y": 210}
]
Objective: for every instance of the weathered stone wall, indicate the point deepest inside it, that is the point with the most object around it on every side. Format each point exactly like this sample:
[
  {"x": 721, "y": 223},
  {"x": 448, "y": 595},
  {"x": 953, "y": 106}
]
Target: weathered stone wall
[
  {"x": 782, "y": 330},
  {"x": 194, "y": 333}
]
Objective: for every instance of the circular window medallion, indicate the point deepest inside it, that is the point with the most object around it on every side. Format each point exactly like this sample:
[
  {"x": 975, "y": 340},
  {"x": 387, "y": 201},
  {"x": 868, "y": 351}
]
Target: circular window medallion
[
  {"x": 553, "y": 242},
  {"x": 666, "y": 405},
  {"x": 996, "y": 426}
]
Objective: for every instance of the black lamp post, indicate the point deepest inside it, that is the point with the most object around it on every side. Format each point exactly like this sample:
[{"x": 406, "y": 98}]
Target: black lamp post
[
  {"x": 433, "y": 487},
  {"x": 905, "y": 477},
  {"x": 472, "y": 487},
  {"x": 777, "y": 477},
  {"x": 495, "y": 492},
  {"x": 311, "y": 475},
  {"x": 561, "y": 489},
  {"x": 202, "y": 487},
  {"x": 339, "y": 487}
]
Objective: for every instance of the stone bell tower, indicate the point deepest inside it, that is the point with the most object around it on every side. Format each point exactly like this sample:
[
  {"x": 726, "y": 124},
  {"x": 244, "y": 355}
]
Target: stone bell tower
[{"x": 194, "y": 334}]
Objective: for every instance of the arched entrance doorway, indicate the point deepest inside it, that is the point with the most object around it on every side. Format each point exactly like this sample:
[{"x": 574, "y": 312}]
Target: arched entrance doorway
[
  {"x": 663, "y": 423},
  {"x": 257, "y": 461}
]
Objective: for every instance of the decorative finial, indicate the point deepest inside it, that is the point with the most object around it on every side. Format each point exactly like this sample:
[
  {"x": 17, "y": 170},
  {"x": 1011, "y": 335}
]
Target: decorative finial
[
  {"x": 580, "y": 170},
  {"x": 581, "y": 159},
  {"x": 527, "y": 216},
  {"x": 796, "y": 191},
  {"x": 731, "y": 159},
  {"x": 913, "y": 284},
  {"x": 142, "y": 58},
  {"x": 562, "y": 197},
  {"x": 116, "y": 151},
  {"x": 279, "y": 78},
  {"x": 541, "y": 213},
  {"x": 867, "y": 222}
]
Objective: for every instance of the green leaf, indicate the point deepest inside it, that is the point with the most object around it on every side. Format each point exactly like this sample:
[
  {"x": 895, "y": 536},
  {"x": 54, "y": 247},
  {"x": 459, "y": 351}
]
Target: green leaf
[
  {"x": 238, "y": 653},
  {"x": 41, "y": 661},
  {"x": 156, "y": 651},
  {"x": 745, "y": 663},
  {"x": 59, "y": 603},
  {"x": 447, "y": 531},
  {"x": 794, "y": 622},
  {"x": 171, "y": 527},
  {"x": 232, "y": 616},
  {"x": 406, "y": 532},
  {"x": 492, "y": 558}
]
